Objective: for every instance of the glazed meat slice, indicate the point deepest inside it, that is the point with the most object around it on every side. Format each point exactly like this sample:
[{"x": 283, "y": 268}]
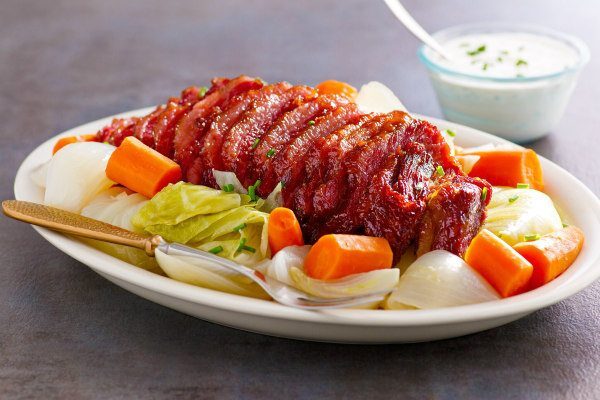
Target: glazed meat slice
[
  {"x": 397, "y": 196},
  {"x": 287, "y": 128},
  {"x": 118, "y": 130},
  {"x": 145, "y": 125},
  {"x": 164, "y": 128},
  {"x": 264, "y": 111},
  {"x": 360, "y": 166},
  {"x": 289, "y": 163},
  {"x": 208, "y": 154},
  {"x": 455, "y": 212},
  {"x": 328, "y": 193},
  {"x": 193, "y": 94},
  {"x": 189, "y": 127},
  {"x": 321, "y": 158}
]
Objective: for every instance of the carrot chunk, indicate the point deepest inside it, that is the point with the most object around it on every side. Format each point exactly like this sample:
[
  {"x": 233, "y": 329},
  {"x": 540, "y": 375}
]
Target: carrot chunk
[
  {"x": 505, "y": 269},
  {"x": 140, "y": 168},
  {"x": 508, "y": 167},
  {"x": 284, "y": 230},
  {"x": 335, "y": 256},
  {"x": 337, "y": 87},
  {"x": 62, "y": 142},
  {"x": 552, "y": 254}
]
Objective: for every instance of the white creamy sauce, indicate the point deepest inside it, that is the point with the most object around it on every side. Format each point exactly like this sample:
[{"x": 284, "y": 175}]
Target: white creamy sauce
[{"x": 508, "y": 55}]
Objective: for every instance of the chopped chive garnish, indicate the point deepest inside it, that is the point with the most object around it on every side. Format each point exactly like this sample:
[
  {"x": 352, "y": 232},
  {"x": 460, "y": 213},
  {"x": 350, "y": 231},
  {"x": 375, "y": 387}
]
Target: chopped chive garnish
[
  {"x": 311, "y": 122},
  {"x": 228, "y": 187},
  {"x": 499, "y": 59},
  {"x": 249, "y": 248},
  {"x": 202, "y": 91},
  {"x": 478, "y": 50},
  {"x": 520, "y": 62},
  {"x": 531, "y": 238},
  {"x": 282, "y": 184},
  {"x": 270, "y": 153},
  {"x": 440, "y": 171},
  {"x": 484, "y": 193},
  {"x": 565, "y": 225},
  {"x": 255, "y": 144},
  {"x": 239, "y": 227},
  {"x": 216, "y": 250},
  {"x": 241, "y": 244},
  {"x": 485, "y": 66},
  {"x": 514, "y": 198},
  {"x": 522, "y": 185},
  {"x": 252, "y": 190},
  {"x": 252, "y": 193},
  {"x": 450, "y": 132}
]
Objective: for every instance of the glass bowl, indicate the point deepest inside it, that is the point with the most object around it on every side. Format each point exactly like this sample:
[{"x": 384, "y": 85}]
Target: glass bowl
[{"x": 520, "y": 109}]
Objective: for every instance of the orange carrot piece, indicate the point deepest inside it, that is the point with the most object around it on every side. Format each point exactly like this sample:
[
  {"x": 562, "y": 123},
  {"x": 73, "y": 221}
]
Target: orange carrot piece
[
  {"x": 337, "y": 87},
  {"x": 505, "y": 269},
  {"x": 140, "y": 168},
  {"x": 284, "y": 230},
  {"x": 335, "y": 256},
  {"x": 508, "y": 167},
  {"x": 552, "y": 254},
  {"x": 62, "y": 142}
]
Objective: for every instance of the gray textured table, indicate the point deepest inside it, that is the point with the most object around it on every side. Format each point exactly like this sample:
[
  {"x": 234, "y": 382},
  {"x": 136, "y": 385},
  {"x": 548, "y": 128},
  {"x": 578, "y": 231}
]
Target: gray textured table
[{"x": 68, "y": 333}]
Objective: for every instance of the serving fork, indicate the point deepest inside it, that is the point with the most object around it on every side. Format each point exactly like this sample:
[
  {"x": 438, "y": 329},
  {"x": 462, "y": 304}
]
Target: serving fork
[{"x": 78, "y": 225}]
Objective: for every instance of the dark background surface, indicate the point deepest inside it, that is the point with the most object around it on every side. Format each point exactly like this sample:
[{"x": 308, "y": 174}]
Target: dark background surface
[{"x": 65, "y": 332}]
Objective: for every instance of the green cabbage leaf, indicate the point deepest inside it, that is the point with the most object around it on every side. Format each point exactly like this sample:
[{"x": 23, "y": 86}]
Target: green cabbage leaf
[{"x": 208, "y": 219}]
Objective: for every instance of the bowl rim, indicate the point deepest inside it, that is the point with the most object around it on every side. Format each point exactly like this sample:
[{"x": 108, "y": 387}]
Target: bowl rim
[
  {"x": 566, "y": 285},
  {"x": 577, "y": 44}
]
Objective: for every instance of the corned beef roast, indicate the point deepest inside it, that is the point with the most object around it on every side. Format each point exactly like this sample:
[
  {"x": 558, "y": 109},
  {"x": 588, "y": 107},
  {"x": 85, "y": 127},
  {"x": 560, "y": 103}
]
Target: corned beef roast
[{"x": 343, "y": 171}]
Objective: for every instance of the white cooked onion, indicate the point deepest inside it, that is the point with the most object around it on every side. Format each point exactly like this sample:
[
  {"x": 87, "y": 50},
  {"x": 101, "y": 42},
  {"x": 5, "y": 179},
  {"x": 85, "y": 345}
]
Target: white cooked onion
[
  {"x": 440, "y": 279},
  {"x": 39, "y": 174},
  {"x": 279, "y": 266},
  {"x": 225, "y": 178},
  {"x": 377, "y": 281},
  {"x": 515, "y": 213},
  {"x": 376, "y": 97},
  {"x": 76, "y": 174},
  {"x": 467, "y": 162},
  {"x": 185, "y": 270},
  {"x": 115, "y": 206}
]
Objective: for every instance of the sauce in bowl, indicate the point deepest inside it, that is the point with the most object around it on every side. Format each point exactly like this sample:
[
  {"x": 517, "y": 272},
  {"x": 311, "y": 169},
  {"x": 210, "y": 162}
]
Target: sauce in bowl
[
  {"x": 513, "y": 81},
  {"x": 508, "y": 55}
]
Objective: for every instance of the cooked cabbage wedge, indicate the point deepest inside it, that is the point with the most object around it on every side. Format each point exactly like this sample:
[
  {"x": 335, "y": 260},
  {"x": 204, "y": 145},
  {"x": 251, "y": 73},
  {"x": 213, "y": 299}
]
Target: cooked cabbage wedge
[
  {"x": 439, "y": 279},
  {"x": 514, "y": 214},
  {"x": 208, "y": 219}
]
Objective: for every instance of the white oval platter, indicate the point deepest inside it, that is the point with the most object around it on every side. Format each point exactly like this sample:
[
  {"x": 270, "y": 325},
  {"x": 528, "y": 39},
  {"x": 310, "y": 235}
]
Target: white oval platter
[{"x": 580, "y": 206}]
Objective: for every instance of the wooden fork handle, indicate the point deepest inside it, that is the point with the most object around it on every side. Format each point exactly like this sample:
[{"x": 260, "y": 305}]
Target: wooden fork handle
[{"x": 78, "y": 225}]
